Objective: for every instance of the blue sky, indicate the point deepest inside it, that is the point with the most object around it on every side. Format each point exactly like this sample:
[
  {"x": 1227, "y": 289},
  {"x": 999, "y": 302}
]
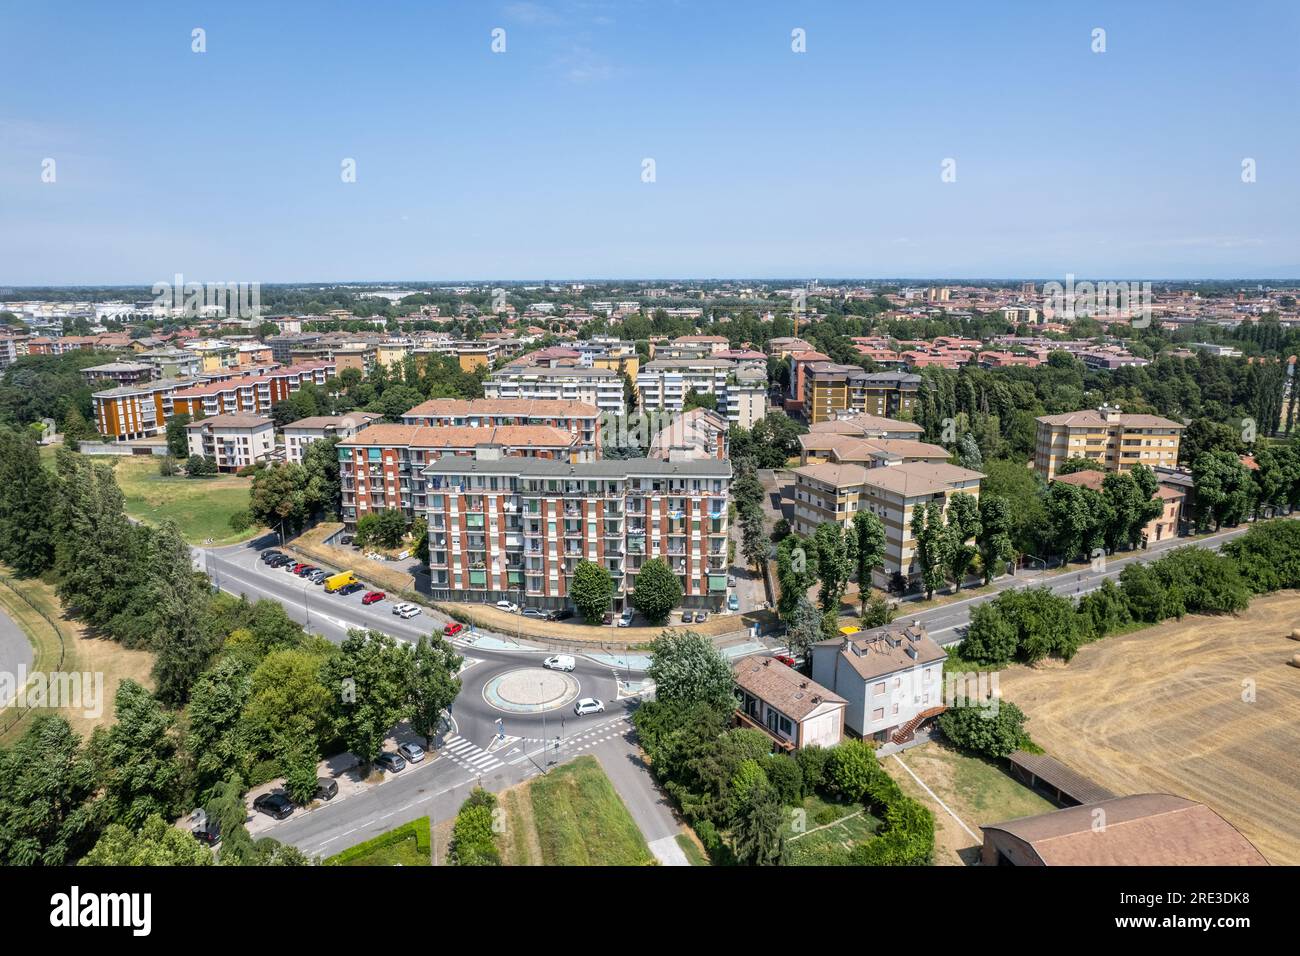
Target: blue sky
[{"x": 527, "y": 164}]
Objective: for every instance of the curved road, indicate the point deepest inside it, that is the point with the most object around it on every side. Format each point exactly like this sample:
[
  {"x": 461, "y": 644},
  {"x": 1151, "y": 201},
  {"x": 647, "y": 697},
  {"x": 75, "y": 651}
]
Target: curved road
[{"x": 15, "y": 649}]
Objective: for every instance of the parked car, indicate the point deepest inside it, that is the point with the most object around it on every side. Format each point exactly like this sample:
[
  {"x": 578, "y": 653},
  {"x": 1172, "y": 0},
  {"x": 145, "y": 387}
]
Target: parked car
[
  {"x": 208, "y": 833},
  {"x": 701, "y": 617},
  {"x": 563, "y": 614},
  {"x": 688, "y": 616},
  {"x": 317, "y": 577},
  {"x": 346, "y": 539},
  {"x": 405, "y": 611},
  {"x": 373, "y": 597},
  {"x": 326, "y": 789},
  {"x": 560, "y": 662},
  {"x": 413, "y": 753},
  {"x": 786, "y": 659},
  {"x": 535, "y": 612},
  {"x": 390, "y": 762},
  {"x": 731, "y": 580},
  {"x": 733, "y": 603},
  {"x": 275, "y": 805},
  {"x": 352, "y": 588},
  {"x": 277, "y": 561},
  {"x": 452, "y": 628},
  {"x": 295, "y": 566},
  {"x": 625, "y": 619},
  {"x": 608, "y": 618},
  {"x": 508, "y": 606},
  {"x": 306, "y": 570},
  {"x": 588, "y": 705},
  {"x": 270, "y": 553}
]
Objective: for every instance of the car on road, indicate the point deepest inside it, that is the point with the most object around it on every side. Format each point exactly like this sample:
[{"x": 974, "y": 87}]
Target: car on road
[
  {"x": 352, "y": 588},
  {"x": 786, "y": 659},
  {"x": 731, "y": 580},
  {"x": 452, "y": 628},
  {"x": 535, "y": 612},
  {"x": 560, "y": 662},
  {"x": 508, "y": 606},
  {"x": 326, "y": 789},
  {"x": 412, "y": 753},
  {"x": 588, "y": 705},
  {"x": 405, "y": 611},
  {"x": 625, "y": 619},
  {"x": 274, "y": 805},
  {"x": 373, "y": 597},
  {"x": 390, "y": 762}
]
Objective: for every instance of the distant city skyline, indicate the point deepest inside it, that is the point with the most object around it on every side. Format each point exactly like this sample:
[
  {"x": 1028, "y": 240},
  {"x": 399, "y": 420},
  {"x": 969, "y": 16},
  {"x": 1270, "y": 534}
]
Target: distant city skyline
[{"x": 528, "y": 164}]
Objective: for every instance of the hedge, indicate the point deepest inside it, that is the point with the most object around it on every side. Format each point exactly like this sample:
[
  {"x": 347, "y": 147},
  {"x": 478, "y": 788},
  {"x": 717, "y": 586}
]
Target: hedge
[{"x": 423, "y": 841}]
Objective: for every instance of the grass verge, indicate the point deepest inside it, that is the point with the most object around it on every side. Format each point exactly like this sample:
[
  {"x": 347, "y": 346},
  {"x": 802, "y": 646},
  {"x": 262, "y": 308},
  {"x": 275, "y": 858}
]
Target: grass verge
[{"x": 407, "y": 845}]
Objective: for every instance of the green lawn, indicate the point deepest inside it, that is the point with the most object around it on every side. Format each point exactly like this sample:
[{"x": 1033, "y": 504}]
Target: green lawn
[
  {"x": 407, "y": 845},
  {"x": 201, "y": 507},
  {"x": 831, "y": 830},
  {"x": 692, "y": 850},
  {"x": 581, "y": 821}
]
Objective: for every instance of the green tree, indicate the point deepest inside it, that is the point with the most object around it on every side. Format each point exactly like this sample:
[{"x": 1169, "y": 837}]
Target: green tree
[
  {"x": 688, "y": 669},
  {"x": 657, "y": 590},
  {"x": 1224, "y": 489},
  {"x": 156, "y": 843},
  {"x": 178, "y": 441},
  {"x": 136, "y": 758},
  {"x": 183, "y": 643},
  {"x": 277, "y": 497},
  {"x": 834, "y": 564},
  {"x": 26, "y": 491},
  {"x": 796, "y": 572},
  {"x": 47, "y": 789},
  {"x": 754, "y": 544},
  {"x": 994, "y": 537},
  {"x": 434, "y": 684},
  {"x": 932, "y": 547},
  {"x": 370, "y": 681},
  {"x": 805, "y": 628},
  {"x": 592, "y": 590},
  {"x": 962, "y": 525},
  {"x": 991, "y": 731},
  {"x": 868, "y": 533},
  {"x": 759, "y": 833}
]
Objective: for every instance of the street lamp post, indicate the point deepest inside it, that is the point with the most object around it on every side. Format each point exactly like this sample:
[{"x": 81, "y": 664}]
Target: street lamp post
[{"x": 545, "y": 756}]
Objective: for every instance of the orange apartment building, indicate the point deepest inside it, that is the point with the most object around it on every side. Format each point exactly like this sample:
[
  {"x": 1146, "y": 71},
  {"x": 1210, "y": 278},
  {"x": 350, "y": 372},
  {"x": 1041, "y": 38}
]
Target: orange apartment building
[
  {"x": 517, "y": 528},
  {"x": 578, "y": 418},
  {"x": 380, "y": 466},
  {"x": 131, "y": 412},
  {"x": 249, "y": 394}
]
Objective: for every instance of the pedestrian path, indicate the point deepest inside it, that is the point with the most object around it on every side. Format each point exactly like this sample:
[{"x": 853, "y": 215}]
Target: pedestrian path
[{"x": 468, "y": 756}]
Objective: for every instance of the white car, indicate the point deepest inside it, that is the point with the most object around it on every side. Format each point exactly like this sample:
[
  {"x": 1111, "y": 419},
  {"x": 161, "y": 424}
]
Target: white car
[
  {"x": 508, "y": 606},
  {"x": 560, "y": 662},
  {"x": 588, "y": 705},
  {"x": 625, "y": 619},
  {"x": 413, "y": 753},
  {"x": 405, "y": 610}
]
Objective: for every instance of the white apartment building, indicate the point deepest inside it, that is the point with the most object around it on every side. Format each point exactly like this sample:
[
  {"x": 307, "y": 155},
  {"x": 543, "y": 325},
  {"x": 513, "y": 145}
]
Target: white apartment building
[
  {"x": 892, "y": 678},
  {"x": 593, "y": 386},
  {"x": 235, "y": 441},
  {"x": 298, "y": 435}
]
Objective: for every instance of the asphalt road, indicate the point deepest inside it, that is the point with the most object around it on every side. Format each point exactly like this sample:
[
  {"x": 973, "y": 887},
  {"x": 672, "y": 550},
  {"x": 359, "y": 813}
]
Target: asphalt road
[{"x": 15, "y": 649}]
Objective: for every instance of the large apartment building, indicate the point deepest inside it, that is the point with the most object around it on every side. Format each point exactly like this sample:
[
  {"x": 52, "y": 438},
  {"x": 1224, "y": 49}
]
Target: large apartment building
[
  {"x": 131, "y": 412},
  {"x": 1107, "y": 436},
  {"x": 580, "y": 419},
  {"x": 250, "y": 394},
  {"x": 233, "y": 441},
  {"x": 516, "y": 529},
  {"x": 831, "y": 390},
  {"x": 298, "y": 435},
  {"x": 835, "y": 492},
  {"x": 740, "y": 390},
  {"x": 592, "y": 386},
  {"x": 380, "y": 466}
]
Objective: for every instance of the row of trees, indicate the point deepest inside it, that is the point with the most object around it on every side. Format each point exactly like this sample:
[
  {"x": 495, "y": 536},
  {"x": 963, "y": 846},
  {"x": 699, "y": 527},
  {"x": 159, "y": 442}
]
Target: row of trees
[{"x": 1030, "y": 624}]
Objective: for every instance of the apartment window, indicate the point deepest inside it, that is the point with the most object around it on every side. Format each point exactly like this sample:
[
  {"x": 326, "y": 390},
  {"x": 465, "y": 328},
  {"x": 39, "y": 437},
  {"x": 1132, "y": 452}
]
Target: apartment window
[
  {"x": 879, "y": 688},
  {"x": 878, "y": 714}
]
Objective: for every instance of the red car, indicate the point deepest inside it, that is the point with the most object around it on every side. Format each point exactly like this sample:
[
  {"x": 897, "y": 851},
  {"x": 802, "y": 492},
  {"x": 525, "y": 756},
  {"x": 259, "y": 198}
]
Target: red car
[
  {"x": 785, "y": 659},
  {"x": 452, "y": 629},
  {"x": 373, "y": 596},
  {"x": 297, "y": 567}
]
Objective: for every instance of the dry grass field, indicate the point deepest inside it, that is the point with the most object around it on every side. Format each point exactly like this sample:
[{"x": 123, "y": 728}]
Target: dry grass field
[{"x": 1167, "y": 709}]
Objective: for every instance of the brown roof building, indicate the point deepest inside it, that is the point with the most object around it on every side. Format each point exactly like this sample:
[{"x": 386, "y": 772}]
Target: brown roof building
[
  {"x": 1146, "y": 829},
  {"x": 794, "y": 710}
]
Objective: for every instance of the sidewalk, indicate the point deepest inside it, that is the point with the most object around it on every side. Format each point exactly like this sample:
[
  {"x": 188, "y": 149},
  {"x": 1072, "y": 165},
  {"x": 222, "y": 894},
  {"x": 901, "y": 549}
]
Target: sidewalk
[{"x": 647, "y": 804}]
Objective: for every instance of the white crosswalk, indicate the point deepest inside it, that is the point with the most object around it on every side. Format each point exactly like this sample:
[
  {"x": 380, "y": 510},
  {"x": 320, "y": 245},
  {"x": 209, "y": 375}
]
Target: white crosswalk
[{"x": 468, "y": 756}]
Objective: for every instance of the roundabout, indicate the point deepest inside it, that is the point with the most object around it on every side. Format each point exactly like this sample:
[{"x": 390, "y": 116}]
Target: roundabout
[{"x": 530, "y": 690}]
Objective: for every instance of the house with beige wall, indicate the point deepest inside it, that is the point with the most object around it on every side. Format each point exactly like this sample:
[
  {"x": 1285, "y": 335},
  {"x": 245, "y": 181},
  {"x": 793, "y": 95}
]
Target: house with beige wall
[{"x": 789, "y": 707}]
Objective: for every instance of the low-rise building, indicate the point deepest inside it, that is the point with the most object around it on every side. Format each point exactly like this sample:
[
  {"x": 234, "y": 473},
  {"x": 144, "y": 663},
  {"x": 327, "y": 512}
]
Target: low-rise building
[
  {"x": 891, "y": 678},
  {"x": 1161, "y": 528},
  {"x": 235, "y": 441},
  {"x": 792, "y": 709},
  {"x": 298, "y": 435}
]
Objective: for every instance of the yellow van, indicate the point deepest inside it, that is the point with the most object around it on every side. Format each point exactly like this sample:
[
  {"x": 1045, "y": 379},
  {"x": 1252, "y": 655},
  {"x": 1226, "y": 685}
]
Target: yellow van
[{"x": 336, "y": 581}]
